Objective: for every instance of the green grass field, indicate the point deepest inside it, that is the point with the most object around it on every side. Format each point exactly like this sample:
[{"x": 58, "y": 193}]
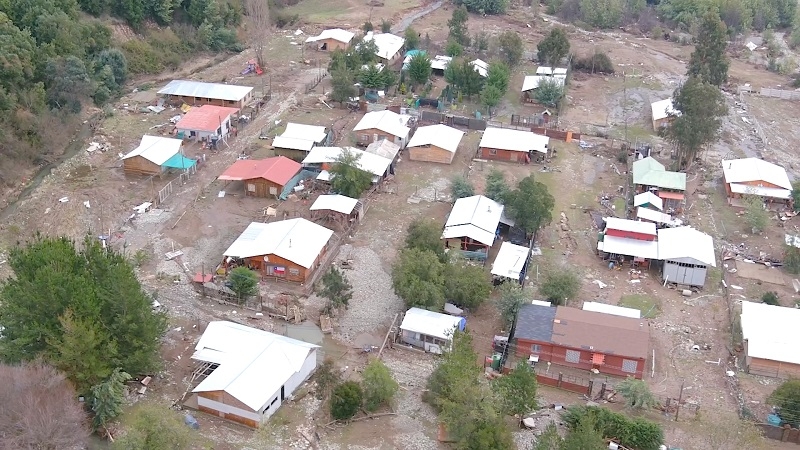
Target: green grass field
[{"x": 644, "y": 303}]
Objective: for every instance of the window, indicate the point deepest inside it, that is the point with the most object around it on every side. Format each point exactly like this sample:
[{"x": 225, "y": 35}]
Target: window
[
  {"x": 293, "y": 271},
  {"x": 364, "y": 138},
  {"x": 273, "y": 190},
  {"x": 251, "y": 187},
  {"x": 573, "y": 356},
  {"x": 536, "y": 348},
  {"x": 492, "y": 151},
  {"x": 629, "y": 365}
]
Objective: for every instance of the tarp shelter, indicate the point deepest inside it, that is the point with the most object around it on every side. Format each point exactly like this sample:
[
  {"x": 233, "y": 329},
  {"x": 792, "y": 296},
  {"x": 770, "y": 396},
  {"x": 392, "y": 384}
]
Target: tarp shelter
[
  {"x": 770, "y": 335},
  {"x": 151, "y": 155},
  {"x": 511, "y": 261},
  {"x": 430, "y": 330},
  {"x": 181, "y": 162},
  {"x": 252, "y": 371},
  {"x": 473, "y": 219}
]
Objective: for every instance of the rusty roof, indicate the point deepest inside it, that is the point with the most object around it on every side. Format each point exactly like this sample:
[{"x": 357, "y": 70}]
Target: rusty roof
[
  {"x": 205, "y": 118},
  {"x": 599, "y": 332},
  {"x": 278, "y": 169}
]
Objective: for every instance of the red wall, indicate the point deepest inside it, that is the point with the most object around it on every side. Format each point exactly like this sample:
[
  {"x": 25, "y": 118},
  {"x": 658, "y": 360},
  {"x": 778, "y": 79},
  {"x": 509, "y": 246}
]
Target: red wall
[
  {"x": 557, "y": 355},
  {"x": 503, "y": 155},
  {"x": 630, "y": 235}
]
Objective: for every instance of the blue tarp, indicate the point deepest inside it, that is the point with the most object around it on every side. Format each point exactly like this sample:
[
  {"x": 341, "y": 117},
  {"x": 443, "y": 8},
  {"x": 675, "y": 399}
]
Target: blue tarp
[
  {"x": 179, "y": 162},
  {"x": 289, "y": 187}
]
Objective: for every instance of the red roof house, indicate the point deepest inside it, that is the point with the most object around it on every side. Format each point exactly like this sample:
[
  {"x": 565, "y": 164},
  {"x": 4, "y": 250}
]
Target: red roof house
[
  {"x": 262, "y": 177},
  {"x": 204, "y": 121}
]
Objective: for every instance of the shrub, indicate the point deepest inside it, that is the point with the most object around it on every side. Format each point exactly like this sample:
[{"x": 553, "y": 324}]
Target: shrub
[
  {"x": 346, "y": 400},
  {"x": 791, "y": 259},
  {"x": 560, "y": 286},
  {"x": 379, "y": 386},
  {"x": 770, "y": 298},
  {"x": 460, "y": 187},
  {"x": 636, "y": 433},
  {"x": 596, "y": 63},
  {"x": 141, "y": 57}
]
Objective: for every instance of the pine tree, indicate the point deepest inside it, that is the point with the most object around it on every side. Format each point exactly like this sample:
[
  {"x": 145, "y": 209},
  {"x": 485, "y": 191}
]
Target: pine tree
[{"x": 708, "y": 61}]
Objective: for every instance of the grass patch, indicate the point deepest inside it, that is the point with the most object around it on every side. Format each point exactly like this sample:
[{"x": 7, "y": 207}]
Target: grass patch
[
  {"x": 619, "y": 206},
  {"x": 635, "y": 131},
  {"x": 644, "y": 303}
]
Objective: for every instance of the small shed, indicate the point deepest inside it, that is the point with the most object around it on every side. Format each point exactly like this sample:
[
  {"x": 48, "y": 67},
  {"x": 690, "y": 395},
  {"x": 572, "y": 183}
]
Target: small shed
[
  {"x": 386, "y": 124},
  {"x": 435, "y": 143},
  {"x": 511, "y": 262},
  {"x": 335, "y": 207},
  {"x": 262, "y": 177},
  {"x": 686, "y": 253},
  {"x": 430, "y": 330},
  {"x": 332, "y": 39},
  {"x": 206, "y": 122},
  {"x": 151, "y": 156},
  {"x": 298, "y": 139},
  {"x": 648, "y": 200},
  {"x": 506, "y": 144},
  {"x": 663, "y": 112}
]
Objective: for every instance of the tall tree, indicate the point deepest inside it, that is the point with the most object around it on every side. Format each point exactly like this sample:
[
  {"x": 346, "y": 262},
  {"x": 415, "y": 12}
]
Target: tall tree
[
  {"x": 511, "y": 47},
  {"x": 458, "y": 26},
  {"x": 342, "y": 88},
  {"x": 243, "y": 282},
  {"x": 347, "y": 176},
  {"x": 636, "y": 393},
  {"x": 584, "y": 437},
  {"x": 39, "y": 410},
  {"x": 709, "y": 62},
  {"x": 549, "y": 439},
  {"x": 83, "y": 350},
  {"x": 108, "y": 398},
  {"x": 512, "y": 297},
  {"x": 496, "y": 186},
  {"x": 491, "y": 96},
  {"x": 530, "y": 205},
  {"x": 787, "y": 398},
  {"x": 460, "y": 187},
  {"x": 698, "y": 121},
  {"x": 466, "y": 285},
  {"x": 560, "y": 286},
  {"x": 517, "y": 390},
  {"x": 418, "y": 279},
  {"x": 549, "y": 92},
  {"x": 498, "y": 75},
  {"x": 553, "y": 48},
  {"x": 419, "y": 68},
  {"x": 461, "y": 74},
  {"x": 425, "y": 234},
  {"x": 412, "y": 38},
  {"x": 336, "y": 288},
  {"x": 258, "y": 27}
]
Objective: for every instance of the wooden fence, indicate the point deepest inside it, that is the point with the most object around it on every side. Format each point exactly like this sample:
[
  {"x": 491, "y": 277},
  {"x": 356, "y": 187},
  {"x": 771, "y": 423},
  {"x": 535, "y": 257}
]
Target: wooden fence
[
  {"x": 565, "y": 135},
  {"x": 780, "y": 93},
  {"x": 783, "y": 434},
  {"x": 451, "y": 120}
]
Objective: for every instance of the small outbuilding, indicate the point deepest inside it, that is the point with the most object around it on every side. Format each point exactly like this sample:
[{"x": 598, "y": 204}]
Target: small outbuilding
[
  {"x": 200, "y": 93},
  {"x": 687, "y": 253},
  {"x": 152, "y": 156},
  {"x": 648, "y": 200},
  {"x": 435, "y": 143},
  {"x": 754, "y": 176},
  {"x": 430, "y": 330},
  {"x": 770, "y": 334},
  {"x": 473, "y": 224},
  {"x": 298, "y": 139},
  {"x": 262, "y": 177},
  {"x": 385, "y": 149},
  {"x": 332, "y": 39},
  {"x": 377, "y": 125},
  {"x": 248, "y": 373},
  {"x": 480, "y": 66},
  {"x": 506, "y": 144},
  {"x": 389, "y": 46},
  {"x": 335, "y": 207},
  {"x": 207, "y": 122},
  {"x": 322, "y": 158},
  {"x": 532, "y": 82},
  {"x": 288, "y": 249},
  {"x": 663, "y": 112},
  {"x": 511, "y": 262},
  {"x": 631, "y": 240},
  {"x": 650, "y": 175}
]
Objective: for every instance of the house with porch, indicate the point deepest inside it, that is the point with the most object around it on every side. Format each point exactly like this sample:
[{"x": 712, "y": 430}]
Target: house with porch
[
  {"x": 754, "y": 176},
  {"x": 262, "y": 177},
  {"x": 332, "y": 39},
  {"x": 206, "y": 123},
  {"x": 650, "y": 175},
  {"x": 155, "y": 155},
  {"x": 472, "y": 225},
  {"x": 298, "y": 139},
  {"x": 687, "y": 254},
  {"x": 625, "y": 240},
  {"x": 289, "y": 250},
  {"x": 377, "y": 125},
  {"x": 200, "y": 93},
  {"x": 507, "y": 144}
]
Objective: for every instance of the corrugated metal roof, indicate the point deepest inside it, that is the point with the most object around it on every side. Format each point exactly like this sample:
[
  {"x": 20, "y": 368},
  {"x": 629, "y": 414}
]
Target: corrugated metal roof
[
  {"x": 771, "y": 332},
  {"x": 648, "y": 198},
  {"x": 510, "y": 260},
  {"x": 755, "y": 169},
  {"x": 602, "y": 333},
  {"x": 612, "y": 309},
  {"x": 662, "y": 109},
  {"x": 297, "y": 240},
  {"x": 649, "y": 172},
  {"x": 186, "y": 88},
  {"x": 629, "y": 247},
  {"x": 339, "y": 203},
  {"x": 387, "y": 43},
  {"x": 634, "y": 226},
  {"x": 535, "y": 323},
  {"x": 314, "y": 133},
  {"x": 686, "y": 242},
  {"x": 336, "y": 34},
  {"x": 476, "y": 217},
  {"x": 442, "y": 136},
  {"x": 514, "y": 140},
  {"x": 432, "y": 323},
  {"x": 368, "y": 162},
  {"x": 533, "y": 81},
  {"x": 278, "y": 169},
  {"x": 386, "y": 121},
  {"x": 656, "y": 216},
  {"x": 253, "y": 364},
  {"x": 480, "y": 66},
  {"x": 205, "y": 118},
  {"x": 293, "y": 143},
  {"x": 440, "y": 62},
  {"x": 155, "y": 149},
  {"x": 384, "y": 148}
]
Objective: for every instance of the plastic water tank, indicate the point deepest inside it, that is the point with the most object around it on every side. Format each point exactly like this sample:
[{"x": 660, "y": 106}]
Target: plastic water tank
[
  {"x": 774, "y": 419},
  {"x": 191, "y": 422}
]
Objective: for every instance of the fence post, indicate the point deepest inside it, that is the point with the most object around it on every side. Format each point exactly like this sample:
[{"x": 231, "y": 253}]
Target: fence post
[
  {"x": 589, "y": 388},
  {"x": 560, "y": 379},
  {"x": 785, "y": 435},
  {"x": 602, "y": 391}
]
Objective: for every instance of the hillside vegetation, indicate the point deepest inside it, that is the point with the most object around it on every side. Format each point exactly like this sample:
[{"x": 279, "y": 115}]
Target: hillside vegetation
[{"x": 58, "y": 56}]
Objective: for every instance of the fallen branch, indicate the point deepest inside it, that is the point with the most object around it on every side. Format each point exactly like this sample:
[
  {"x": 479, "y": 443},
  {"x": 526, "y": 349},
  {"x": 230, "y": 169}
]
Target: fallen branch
[{"x": 374, "y": 416}]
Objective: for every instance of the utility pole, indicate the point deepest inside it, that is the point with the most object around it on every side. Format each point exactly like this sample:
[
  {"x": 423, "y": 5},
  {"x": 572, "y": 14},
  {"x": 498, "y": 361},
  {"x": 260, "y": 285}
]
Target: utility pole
[
  {"x": 625, "y": 104},
  {"x": 678, "y": 406}
]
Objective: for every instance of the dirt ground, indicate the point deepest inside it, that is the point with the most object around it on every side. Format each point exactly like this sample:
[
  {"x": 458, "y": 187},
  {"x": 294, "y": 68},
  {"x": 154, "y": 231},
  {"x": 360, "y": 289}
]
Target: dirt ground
[{"x": 201, "y": 224}]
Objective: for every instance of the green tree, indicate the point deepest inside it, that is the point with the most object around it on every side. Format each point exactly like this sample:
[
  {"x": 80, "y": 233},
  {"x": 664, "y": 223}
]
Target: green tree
[
  {"x": 549, "y": 92},
  {"x": 770, "y": 298},
  {"x": 346, "y": 400},
  {"x": 347, "y": 177},
  {"x": 19, "y": 54},
  {"x": 517, "y": 390},
  {"x": 636, "y": 393},
  {"x": 584, "y": 436},
  {"x": 787, "y": 398},
  {"x": 336, "y": 288},
  {"x": 496, "y": 186},
  {"x": 485, "y": 6},
  {"x": 155, "y": 427},
  {"x": 602, "y": 14},
  {"x": 549, "y": 439},
  {"x": 635, "y": 432},
  {"x": 512, "y": 297},
  {"x": 379, "y": 386},
  {"x": 754, "y": 213},
  {"x": 342, "y": 88},
  {"x": 367, "y": 27},
  {"x": 560, "y": 286},
  {"x": 108, "y": 398},
  {"x": 453, "y": 49},
  {"x": 460, "y": 187},
  {"x": 419, "y": 68},
  {"x": 386, "y": 26},
  {"x": 418, "y": 279},
  {"x": 490, "y": 97},
  {"x": 466, "y": 285},
  {"x": 487, "y": 433},
  {"x": 412, "y": 38},
  {"x": 59, "y": 295},
  {"x": 796, "y": 195},
  {"x": 462, "y": 75},
  {"x": 708, "y": 61},
  {"x": 498, "y": 75},
  {"x": 243, "y": 282},
  {"x": 426, "y": 235},
  {"x": 327, "y": 377},
  {"x": 553, "y": 48},
  {"x": 374, "y": 77},
  {"x": 455, "y": 372},
  {"x": 702, "y": 108},
  {"x": 67, "y": 83},
  {"x": 511, "y": 47},
  {"x": 791, "y": 259},
  {"x": 458, "y": 26},
  {"x": 530, "y": 205}
]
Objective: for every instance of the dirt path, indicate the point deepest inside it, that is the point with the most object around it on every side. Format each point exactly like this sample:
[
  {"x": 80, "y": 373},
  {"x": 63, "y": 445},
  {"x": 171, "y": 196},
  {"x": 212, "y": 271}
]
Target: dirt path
[{"x": 410, "y": 18}]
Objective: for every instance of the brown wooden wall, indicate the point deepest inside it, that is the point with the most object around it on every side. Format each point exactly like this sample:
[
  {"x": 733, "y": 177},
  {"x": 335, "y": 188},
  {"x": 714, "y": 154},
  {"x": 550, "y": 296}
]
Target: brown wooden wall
[
  {"x": 332, "y": 44},
  {"x": 293, "y": 272},
  {"x": 293, "y": 154},
  {"x": 430, "y": 153},
  {"x": 368, "y": 136},
  {"x": 225, "y": 398},
  {"x": 774, "y": 369},
  {"x": 262, "y": 188},
  {"x": 208, "y": 101},
  {"x": 502, "y": 155},
  {"x": 138, "y": 165}
]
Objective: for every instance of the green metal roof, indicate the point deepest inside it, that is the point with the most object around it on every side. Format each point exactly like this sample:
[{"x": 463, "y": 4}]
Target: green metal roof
[{"x": 649, "y": 172}]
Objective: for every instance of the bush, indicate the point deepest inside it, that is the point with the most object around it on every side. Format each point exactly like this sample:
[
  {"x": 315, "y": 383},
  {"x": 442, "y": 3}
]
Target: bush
[
  {"x": 460, "y": 187},
  {"x": 597, "y": 63},
  {"x": 379, "y": 386},
  {"x": 283, "y": 19},
  {"x": 346, "y": 400},
  {"x": 770, "y": 298},
  {"x": 636, "y": 433},
  {"x": 141, "y": 57},
  {"x": 560, "y": 286},
  {"x": 791, "y": 259},
  {"x": 244, "y": 282},
  {"x": 787, "y": 398}
]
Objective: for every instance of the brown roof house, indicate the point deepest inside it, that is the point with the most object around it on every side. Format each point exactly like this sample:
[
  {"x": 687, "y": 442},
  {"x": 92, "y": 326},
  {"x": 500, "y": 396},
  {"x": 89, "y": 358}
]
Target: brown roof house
[
  {"x": 262, "y": 177},
  {"x": 588, "y": 340}
]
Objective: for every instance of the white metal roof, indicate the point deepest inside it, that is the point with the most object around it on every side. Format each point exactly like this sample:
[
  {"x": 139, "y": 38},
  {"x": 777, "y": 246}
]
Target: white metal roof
[
  {"x": 480, "y": 66},
  {"x": 386, "y": 121},
  {"x": 771, "y": 332},
  {"x": 430, "y": 323},
  {"x": 368, "y": 162},
  {"x": 439, "y": 135},
  {"x": 629, "y": 247},
  {"x": 188, "y": 88},
  {"x": 510, "y": 260},
  {"x": 313, "y": 133},
  {"x": 657, "y": 217},
  {"x": 336, "y": 34},
  {"x": 648, "y": 198},
  {"x": 293, "y": 143},
  {"x": 514, "y": 140},
  {"x": 541, "y": 303},
  {"x": 253, "y": 364},
  {"x": 634, "y": 226},
  {"x": 762, "y": 191},
  {"x": 297, "y": 240},
  {"x": 440, "y": 62},
  {"x": 533, "y": 81},
  {"x": 686, "y": 242},
  {"x": 387, "y": 43},
  {"x": 339, "y": 203},
  {"x": 383, "y": 147},
  {"x": 475, "y": 217},
  {"x": 755, "y": 169},
  {"x": 612, "y": 309},
  {"x": 662, "y": 109},
  {"x": 156, "y": 149}
]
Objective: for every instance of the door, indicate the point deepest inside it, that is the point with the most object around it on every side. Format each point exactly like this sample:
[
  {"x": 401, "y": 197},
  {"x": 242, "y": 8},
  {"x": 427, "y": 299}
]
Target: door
[{"x": 283, "y": 393}]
